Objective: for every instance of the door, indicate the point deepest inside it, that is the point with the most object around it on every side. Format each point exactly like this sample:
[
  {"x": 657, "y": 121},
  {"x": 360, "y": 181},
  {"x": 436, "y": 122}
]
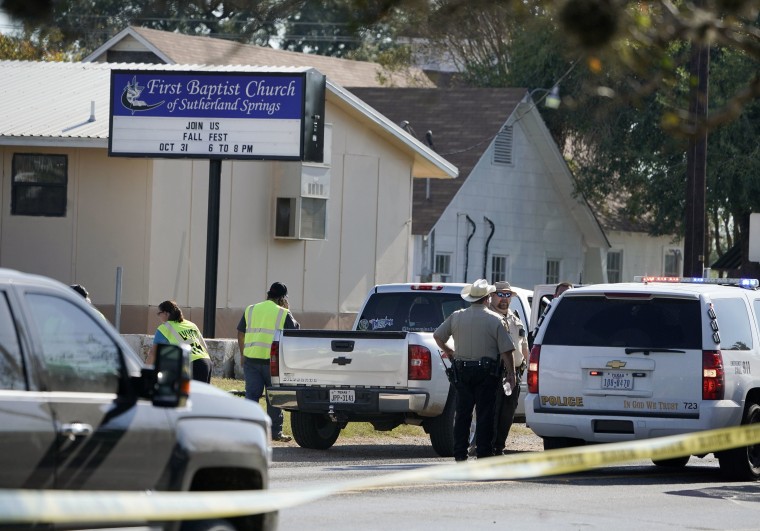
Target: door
[
  {"x": 106, "y": 438},
  {"x": 27, "y": 433}
]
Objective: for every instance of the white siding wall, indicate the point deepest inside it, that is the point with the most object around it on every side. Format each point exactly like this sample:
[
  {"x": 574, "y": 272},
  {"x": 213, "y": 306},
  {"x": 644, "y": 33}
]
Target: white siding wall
[
  {"x": 642, "y": 254},
  {"x": 532, "y": 222}
]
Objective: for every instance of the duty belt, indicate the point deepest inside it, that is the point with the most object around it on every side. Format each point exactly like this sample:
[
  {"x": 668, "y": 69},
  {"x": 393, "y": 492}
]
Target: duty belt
[{"x": 470, "y": 363}]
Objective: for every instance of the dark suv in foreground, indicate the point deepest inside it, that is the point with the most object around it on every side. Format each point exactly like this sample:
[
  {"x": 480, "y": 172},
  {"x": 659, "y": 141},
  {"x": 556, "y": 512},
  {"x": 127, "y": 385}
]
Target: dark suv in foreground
[{"x": 78, "y": 410}]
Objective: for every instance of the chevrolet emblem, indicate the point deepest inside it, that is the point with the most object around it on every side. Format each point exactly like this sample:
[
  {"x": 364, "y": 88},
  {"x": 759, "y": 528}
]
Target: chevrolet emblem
[
  {"x": 342, "y": 360},
  {"x": 615, "y": 364}
]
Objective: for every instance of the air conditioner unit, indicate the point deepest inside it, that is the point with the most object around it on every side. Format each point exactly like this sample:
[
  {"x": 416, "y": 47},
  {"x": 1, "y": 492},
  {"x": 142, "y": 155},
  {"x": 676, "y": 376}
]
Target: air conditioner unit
[{"x": 300, "y": 210}]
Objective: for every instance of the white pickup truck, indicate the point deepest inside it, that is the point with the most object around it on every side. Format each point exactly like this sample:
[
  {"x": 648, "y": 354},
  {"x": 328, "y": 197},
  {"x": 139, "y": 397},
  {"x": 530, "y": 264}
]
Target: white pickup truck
[{"x": 387, "y": 371}]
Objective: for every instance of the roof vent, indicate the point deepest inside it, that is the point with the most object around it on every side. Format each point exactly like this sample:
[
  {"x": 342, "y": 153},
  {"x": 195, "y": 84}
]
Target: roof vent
[{"x": 502, "y": 152}]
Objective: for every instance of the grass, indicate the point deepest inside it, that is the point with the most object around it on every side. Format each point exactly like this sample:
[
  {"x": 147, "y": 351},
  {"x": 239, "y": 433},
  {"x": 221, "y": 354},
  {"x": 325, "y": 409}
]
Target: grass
[{"x": 354, "y": 430}]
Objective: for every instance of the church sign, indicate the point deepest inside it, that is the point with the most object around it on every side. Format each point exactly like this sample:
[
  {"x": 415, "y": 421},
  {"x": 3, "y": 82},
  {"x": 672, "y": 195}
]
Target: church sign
[{"x": 217, "y": 115}]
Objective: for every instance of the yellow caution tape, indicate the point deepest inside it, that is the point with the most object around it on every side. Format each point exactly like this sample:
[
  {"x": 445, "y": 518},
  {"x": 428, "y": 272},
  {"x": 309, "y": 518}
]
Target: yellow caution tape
[{"x": 47, "y": 506}]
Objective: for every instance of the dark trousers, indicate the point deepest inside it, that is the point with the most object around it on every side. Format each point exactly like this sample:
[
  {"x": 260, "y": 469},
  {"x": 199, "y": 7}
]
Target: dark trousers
[
  {"x": 202, "y": 369},
  {"x": 504, "y": 414},
  {"x": 476, "y": 388}
]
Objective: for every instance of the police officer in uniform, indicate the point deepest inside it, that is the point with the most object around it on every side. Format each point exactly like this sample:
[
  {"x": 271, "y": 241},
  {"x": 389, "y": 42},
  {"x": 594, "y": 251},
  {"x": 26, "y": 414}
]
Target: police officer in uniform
[
  {"x": 256, "y": 332},
  {"x": 504, "y": 409},
  {"x": 480, "y": 340},
  {"x": 176, "y": 330}
]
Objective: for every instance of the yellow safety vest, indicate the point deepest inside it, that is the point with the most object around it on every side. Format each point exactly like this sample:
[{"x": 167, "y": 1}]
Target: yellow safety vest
[
  {"x": 185, "y": 333},
  {"x": 262, "y": 321}
]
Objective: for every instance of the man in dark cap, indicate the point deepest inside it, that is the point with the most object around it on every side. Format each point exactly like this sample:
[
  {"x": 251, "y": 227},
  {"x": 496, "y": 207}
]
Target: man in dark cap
[{"x": 256, "y": 332}]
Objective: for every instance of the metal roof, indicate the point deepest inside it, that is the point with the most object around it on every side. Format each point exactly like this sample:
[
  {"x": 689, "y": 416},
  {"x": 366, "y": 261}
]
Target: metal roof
[{"x": 67, "y": 104}]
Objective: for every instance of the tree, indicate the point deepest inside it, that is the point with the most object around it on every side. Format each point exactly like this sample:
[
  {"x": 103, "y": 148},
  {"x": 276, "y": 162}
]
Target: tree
[
  {"x": 19, "y": 49},
  {"x": 80, "y": 26}
]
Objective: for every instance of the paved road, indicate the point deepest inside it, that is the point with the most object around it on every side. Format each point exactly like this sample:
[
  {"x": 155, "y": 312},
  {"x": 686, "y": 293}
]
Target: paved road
[{"x": 634, "y": 496}]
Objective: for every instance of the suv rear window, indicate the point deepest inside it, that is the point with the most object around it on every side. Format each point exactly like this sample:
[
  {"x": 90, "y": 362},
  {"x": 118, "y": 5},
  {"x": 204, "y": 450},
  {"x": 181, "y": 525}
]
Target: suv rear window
[
  {"x": 598, "y": 321},
  {"x": 409, "y": 312}
]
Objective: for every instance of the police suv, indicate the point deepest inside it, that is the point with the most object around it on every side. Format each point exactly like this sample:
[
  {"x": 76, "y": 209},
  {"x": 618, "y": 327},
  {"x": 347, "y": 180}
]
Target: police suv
[{"x": 656, "y": 357}]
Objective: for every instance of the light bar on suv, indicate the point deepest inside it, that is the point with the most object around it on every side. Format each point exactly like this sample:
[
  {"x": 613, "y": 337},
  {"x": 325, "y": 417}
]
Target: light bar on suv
[{"x": 748, "y": 283}]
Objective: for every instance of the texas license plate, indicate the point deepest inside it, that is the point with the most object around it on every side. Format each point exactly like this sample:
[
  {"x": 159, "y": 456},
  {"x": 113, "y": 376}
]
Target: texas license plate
[
  {"x": 617, "y": 380},
  {"x": 342, "y": 396}
]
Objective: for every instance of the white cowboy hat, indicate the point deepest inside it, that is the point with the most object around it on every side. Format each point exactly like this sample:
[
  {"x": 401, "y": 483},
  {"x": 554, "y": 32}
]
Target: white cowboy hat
[{"x": 477, "y": 290}]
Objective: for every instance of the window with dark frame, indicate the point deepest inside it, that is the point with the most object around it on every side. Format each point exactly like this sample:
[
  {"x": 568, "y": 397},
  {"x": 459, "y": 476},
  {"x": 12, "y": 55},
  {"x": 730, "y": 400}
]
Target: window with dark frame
[
  {"x": 614, "y": 266},
  {"x": 39, "y": 185},
  {"x": 552, "y": 271}
]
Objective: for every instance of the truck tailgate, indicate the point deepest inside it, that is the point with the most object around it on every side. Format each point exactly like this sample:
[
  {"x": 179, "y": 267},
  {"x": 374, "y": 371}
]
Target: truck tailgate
[{"x": 343, "y": 358}]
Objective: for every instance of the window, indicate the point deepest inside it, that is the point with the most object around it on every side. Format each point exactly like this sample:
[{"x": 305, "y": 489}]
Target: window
[
  {"x": 442, "y": 271},
  {"x": 614, "y": 266},
  {"x": 394, "y": 312},
  {"x": 499, "y": 268},
  {"x": 552, "y": 271},
  {"x": 672, "y": 263},
  {"x": 593, "y": 321},
  {"x": 502, "y": 149},
  {"x": 79, "y": 356},
  {"x": 39, "y": 185},
  {"x": 733, "y": 321},
  {"x": 11, "y": 364}
]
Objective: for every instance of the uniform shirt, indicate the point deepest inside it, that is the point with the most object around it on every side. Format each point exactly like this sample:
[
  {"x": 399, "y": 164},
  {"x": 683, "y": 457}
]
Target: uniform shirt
[
  {"x": 477, "y": 332},
  {"x": 518, "y": 335}
]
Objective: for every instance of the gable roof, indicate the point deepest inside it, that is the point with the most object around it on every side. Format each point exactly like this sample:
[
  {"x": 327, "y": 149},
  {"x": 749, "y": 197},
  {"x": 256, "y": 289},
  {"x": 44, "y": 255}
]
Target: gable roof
[
  {"x": 68, "y": 105},
  {"x": 462, "y": 122},
  {"x": 175, "y": 48}
]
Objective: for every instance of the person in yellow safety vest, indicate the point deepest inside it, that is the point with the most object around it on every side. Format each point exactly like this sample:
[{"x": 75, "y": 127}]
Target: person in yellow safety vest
[
  {"x": 256, "y": 332},
  {"x": 176, "y": 330}
]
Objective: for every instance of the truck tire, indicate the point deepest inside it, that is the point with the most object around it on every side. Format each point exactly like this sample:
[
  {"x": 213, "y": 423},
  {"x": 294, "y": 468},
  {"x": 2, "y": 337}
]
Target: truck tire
[
  {"x": 441, "y": 428},
  {"x": 743, "y": 464},
  {"x": 311, "y": 430}
]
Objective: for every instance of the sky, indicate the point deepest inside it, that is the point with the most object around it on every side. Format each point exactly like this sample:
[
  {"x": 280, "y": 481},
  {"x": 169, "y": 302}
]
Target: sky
[{"x": 6, "y": 24}]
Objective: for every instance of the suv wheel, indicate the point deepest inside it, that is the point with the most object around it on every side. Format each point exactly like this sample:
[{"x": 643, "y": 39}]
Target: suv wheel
[
  {"x": 311, "y": 430},
  {"x": 743, "y": 464}
]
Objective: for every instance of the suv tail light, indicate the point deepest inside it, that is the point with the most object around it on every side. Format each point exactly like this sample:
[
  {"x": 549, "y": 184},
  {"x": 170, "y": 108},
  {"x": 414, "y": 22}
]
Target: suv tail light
[
  {"x": 274, "y": 359},
  {"x": 535, "y": 354},
  {"x": 713, "y": 376},
  {"x": 420, "y": 367}
]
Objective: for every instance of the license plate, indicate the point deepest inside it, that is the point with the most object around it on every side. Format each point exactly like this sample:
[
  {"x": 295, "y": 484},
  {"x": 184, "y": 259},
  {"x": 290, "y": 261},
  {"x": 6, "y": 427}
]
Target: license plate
[
  {"x": 617, "y": 380},
  {"x": 342, "y": 396}
]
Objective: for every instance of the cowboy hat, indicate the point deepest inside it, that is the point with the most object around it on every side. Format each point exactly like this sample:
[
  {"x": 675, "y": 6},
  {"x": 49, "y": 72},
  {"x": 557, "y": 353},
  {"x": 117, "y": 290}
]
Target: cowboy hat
[
  {"x": 477, "y": 290},
  {"x": 502, "y": 286}
]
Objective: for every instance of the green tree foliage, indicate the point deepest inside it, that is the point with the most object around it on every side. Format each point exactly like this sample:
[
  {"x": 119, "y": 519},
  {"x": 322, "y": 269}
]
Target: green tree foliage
[
  {"x": 20, "y": 49},
  {"x": 80, "y": 26}
]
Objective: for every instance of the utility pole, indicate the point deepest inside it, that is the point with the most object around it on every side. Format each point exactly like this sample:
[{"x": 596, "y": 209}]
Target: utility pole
[{"x": 696, "y": 164}]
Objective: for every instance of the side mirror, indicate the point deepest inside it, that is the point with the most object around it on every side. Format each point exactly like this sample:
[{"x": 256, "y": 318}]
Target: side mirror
[{"x": 172, "y": 376}]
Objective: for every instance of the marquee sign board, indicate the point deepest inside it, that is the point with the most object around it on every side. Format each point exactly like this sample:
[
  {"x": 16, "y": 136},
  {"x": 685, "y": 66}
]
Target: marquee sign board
[{"x": 217, "y": 114}]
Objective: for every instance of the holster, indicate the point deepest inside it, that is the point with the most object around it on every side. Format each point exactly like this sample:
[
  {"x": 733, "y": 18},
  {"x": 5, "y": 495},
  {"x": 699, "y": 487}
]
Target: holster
[{"x": 452, "y": 374}]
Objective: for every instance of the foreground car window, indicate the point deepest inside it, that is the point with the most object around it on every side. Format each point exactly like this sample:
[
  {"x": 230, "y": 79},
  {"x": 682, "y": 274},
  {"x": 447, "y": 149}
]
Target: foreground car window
[
  {"x": 597, "y": 321},
  {"x": 11, "y": 366},
  {"x": 79, "y": 356}
]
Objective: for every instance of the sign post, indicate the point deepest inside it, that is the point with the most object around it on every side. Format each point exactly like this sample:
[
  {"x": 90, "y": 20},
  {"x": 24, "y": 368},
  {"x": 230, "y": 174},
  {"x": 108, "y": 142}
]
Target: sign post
[{"x": 216, "y": 114}]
